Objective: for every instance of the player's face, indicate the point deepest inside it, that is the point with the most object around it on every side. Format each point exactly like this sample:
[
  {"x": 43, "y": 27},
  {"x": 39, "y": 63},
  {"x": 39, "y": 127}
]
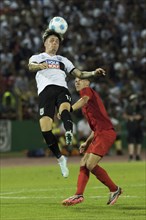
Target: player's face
[
  {"x": 52, "y": 43},
  {"x": 81, "y": 83}
]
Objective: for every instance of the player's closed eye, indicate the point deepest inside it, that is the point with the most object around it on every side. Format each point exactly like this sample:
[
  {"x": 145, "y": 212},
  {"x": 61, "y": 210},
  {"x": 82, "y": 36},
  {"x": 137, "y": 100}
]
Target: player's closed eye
[{"x": 54, "y": 40}]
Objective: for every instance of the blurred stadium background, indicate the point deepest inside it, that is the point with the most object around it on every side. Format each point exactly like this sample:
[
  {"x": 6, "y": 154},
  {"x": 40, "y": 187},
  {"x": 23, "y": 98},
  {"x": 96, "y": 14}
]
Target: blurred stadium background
[{"x": 107, "y": 34}]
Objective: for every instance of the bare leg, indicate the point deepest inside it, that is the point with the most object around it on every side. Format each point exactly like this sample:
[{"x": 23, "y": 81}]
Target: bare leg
[{"x": 131, "y": 151}]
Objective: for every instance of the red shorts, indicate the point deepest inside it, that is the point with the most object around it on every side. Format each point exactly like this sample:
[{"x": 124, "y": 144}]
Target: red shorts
[{"x": 102, "y": 142}]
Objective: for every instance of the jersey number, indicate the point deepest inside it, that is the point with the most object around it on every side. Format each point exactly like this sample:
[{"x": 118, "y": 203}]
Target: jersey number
[{"x": 68, "y": 98}]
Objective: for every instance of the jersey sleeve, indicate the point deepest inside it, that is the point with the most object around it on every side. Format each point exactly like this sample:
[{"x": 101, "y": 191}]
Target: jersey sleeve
[
  {"x": 86, "y": 92},
  {"x": 33, "y": 59},
  {"x": 68, "y": 65}
]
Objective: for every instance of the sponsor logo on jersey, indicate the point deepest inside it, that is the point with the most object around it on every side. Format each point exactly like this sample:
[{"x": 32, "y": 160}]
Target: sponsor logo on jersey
[{"x": 53, "y": 64}]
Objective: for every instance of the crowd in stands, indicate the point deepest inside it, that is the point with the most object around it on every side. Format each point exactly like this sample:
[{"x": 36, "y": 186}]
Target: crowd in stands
[{"x": 107, "y": 34}]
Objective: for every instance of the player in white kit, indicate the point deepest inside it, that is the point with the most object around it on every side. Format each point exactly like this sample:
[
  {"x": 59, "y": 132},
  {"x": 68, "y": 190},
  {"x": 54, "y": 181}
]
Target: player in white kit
[{"x": 51, "y": 72}]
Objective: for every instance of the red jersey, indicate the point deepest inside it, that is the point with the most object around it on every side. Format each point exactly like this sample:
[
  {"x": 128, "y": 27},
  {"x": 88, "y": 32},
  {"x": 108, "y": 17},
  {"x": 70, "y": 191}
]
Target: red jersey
[{"x": 95, "y": 112}]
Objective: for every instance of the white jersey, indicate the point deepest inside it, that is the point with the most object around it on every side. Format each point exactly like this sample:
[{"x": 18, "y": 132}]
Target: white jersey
[{"x": 59, "y": 67}]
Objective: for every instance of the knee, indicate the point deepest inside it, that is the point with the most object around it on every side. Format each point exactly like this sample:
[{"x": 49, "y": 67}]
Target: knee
[
  {"x": 63, "y": 107},
  {"x": 90, "y": 165},
  {"x": 46, "y": 123},
  {"x": 82, "y": 162}
]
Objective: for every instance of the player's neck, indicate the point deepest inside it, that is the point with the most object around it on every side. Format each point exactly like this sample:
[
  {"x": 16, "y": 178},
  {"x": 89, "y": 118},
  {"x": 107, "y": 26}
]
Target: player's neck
[{"x": 51, "y": 53}]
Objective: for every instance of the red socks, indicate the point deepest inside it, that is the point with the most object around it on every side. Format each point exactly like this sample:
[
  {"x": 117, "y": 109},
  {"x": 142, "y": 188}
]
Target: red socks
[
  {"x": 82, "y": 180},
  {"x": 103, "y": 177},
  {"x": 100, "y": 174}
]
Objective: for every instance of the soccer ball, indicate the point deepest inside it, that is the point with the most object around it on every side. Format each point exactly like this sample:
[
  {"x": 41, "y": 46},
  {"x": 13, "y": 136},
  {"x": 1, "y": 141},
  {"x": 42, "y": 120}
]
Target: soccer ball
[{"x": 58, "y": 24}]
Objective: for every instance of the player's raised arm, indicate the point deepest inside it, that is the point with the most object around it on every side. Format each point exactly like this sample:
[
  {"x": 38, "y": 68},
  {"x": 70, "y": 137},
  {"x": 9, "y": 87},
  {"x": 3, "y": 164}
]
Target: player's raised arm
[
  {"x": 80, "y": 103},
  {"x": 34, "y": 67},
  {"x": 86, "y": 74}
]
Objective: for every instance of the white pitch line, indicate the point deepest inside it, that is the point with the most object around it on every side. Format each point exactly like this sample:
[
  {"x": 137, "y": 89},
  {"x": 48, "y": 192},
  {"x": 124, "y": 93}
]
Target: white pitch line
[
  {"x": 60, "y": 197},
  {"x": 15, "y": 192},
  {"x": 61, "y": 189},
  {"x": 133, "y": 186},
  {"x": 27, "y": 197},
  {"x": 34, "y": 190}
]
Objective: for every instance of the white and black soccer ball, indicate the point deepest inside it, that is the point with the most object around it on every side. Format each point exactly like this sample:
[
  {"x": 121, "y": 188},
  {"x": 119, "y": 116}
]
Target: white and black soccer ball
[{"x": 58, "y": 24}]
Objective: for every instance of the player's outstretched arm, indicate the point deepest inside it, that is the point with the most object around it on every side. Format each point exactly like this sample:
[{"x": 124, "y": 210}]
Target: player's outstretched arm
[
  {"x": 80, "y": 103},
  {"x": 87, "y": 74},
  {"x": 34, "y": 67}
]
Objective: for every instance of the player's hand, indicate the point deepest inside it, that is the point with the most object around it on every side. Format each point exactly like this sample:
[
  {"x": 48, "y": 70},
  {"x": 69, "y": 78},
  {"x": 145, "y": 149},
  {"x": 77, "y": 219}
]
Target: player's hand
[
  {"x": 100, "y": 71},
  {"x": 43, "y": 66},
  {"x": 83, "y": 147}
]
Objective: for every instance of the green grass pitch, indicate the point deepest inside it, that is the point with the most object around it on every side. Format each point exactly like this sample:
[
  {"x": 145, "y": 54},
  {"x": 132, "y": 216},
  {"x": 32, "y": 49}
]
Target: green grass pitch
[{"x": 36, "y": 192}]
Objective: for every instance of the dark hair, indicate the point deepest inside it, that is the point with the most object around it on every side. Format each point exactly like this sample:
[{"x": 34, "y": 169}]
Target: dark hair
[{"x": 49, "y": 32}]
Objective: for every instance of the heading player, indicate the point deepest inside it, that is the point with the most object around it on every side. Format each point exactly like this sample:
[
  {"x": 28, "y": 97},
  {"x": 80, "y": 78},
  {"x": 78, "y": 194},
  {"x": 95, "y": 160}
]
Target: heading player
[{"x": 52, "y": 70}]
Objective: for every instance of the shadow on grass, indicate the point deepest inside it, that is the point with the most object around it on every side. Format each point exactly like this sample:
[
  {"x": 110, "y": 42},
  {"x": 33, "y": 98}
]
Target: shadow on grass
[
  {"x": 94, "y": 207},
  {"x": 132, "y": 208}
]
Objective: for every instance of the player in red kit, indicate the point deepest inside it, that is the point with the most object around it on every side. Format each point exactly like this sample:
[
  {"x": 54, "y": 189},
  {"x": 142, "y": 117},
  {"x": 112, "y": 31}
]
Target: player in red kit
[{"x": 97, "y": 144}]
